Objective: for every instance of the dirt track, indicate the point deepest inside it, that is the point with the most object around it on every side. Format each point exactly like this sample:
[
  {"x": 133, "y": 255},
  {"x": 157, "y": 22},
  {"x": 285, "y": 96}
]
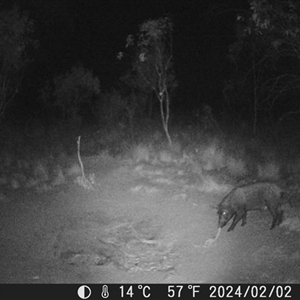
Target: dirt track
[{"x": 140, "y": 223}]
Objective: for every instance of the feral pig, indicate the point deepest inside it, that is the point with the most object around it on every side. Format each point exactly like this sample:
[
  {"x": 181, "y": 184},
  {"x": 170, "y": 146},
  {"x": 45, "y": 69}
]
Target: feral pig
[{"x": 251, "y": 197}]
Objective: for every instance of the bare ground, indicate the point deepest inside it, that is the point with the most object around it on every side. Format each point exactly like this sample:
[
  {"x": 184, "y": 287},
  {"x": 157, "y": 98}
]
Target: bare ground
[{"x": 140, "y": 223}]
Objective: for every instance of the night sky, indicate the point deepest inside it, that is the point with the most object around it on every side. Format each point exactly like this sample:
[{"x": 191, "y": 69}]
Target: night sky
[{"x": 92, "y": 32}]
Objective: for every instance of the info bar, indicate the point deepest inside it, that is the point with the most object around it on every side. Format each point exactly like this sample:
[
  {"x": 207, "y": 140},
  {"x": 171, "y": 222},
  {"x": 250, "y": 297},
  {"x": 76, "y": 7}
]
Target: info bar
[{"x": 147, "y": 291}]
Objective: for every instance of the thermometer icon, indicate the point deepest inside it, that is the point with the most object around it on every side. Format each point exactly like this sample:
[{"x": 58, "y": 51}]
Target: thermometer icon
[{"x": 105, "y": 292}]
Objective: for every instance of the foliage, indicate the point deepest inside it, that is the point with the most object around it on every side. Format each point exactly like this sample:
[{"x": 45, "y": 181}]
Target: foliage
[
  {"x": 265, "y": 56},
  {"x": 73, "y": 89},
  {"x": 119, "y": 109},
  {"x": 15, "y": 44},
  {"x": 113, "y": 107},
  {"x": 152, "y": 63}
]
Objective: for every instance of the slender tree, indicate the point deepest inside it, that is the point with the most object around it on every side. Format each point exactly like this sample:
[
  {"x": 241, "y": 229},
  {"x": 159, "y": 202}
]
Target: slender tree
[
  {"x": 266, "y": 55},
  {"x": 152, "y": 63},
  {"x": 15, "y": 43}
]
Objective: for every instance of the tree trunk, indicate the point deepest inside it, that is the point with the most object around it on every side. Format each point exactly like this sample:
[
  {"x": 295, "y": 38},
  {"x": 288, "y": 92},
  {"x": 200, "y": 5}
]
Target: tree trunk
[{"x": 164, "y": 99}]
